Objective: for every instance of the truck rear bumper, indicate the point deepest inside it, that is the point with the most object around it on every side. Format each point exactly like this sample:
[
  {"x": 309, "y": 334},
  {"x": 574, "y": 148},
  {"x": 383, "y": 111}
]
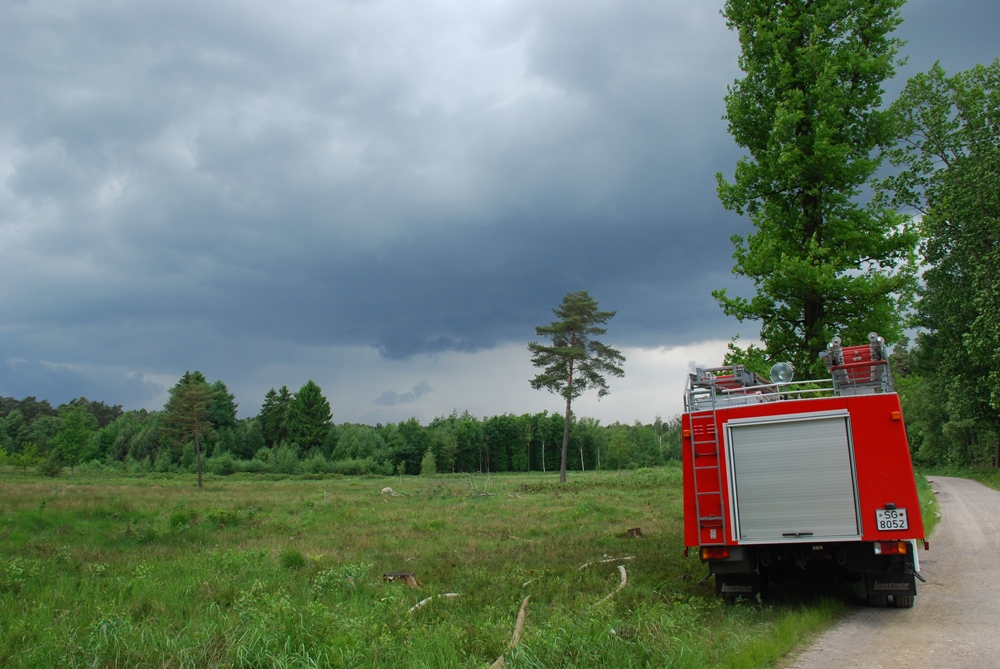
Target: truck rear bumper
[{"x": 749, "y": 568}]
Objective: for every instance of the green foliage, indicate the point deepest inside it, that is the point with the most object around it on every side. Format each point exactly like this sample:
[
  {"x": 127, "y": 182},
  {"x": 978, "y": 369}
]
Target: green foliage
[
  {"x": 51, "y": 466},
  {"x": 187, "y": 413},
  {"x": 576, "y": 360},
  {"x": 950, "y": 155},
  {"x": 26, "y": 457},
  {"x": 753, "y": 358},
  {"x": 428, "y": 466},
  {"x": 274, "y": 416},
  {"x": 807, "y": 110},
  {"x": 77, "y": 435},
  {"x": 222, "y": 413},
  {"x": 308, "y": 418}
]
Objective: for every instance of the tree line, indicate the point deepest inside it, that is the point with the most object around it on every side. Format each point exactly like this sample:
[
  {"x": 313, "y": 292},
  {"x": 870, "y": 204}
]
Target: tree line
[{"x": 293, "y": 433}]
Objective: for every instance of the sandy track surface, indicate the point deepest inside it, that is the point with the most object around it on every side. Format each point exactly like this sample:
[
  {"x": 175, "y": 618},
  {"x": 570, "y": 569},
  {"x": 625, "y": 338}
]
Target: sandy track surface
[{"x": 955, "y": 622}]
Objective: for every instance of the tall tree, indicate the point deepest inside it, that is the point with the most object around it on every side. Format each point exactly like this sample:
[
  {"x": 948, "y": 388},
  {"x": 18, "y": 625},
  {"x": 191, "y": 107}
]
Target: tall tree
[
  {"x": 274, "y": 415},
  {"x": 576, "y": 360},
  {"x": 807, "y": 111},
  {"x": 79, "y": 428},
  {"x": 187, "y": 414},
  {"x": 950, "y": 152},
  {"x": 223, "y": 411},
  {"x": 309, "y": 417}
]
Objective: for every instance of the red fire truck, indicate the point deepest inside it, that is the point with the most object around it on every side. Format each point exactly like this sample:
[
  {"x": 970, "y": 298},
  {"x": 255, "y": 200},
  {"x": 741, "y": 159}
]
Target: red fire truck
[{"x": 781, "y": 476}]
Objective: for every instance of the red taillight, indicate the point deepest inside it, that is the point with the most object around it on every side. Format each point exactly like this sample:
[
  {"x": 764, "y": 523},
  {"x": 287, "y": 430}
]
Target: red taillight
[
  {"x": 890, "y": 548},
  {"x": 714, "y": 553}
]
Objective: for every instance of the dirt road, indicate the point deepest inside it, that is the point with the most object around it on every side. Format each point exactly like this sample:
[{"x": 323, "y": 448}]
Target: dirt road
[{"x": 955, "y": 623}]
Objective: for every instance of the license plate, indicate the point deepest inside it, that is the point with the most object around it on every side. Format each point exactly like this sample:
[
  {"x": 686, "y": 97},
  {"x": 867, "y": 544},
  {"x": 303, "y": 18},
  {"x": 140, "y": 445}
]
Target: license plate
[{"x": 891, "y": 519}]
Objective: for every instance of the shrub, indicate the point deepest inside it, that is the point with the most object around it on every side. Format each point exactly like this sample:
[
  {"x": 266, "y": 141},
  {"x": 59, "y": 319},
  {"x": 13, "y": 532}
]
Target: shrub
[
  {"x": 51, "y": 466},
  {"x": 428, "y": 466},
  {"x": 255, "y": 466},
  {"x": 361, "y": 466},
  {"x": 221, "y": 465},
  {"x": 317, "y": 464},
  {"x": 285, "y": 459}
]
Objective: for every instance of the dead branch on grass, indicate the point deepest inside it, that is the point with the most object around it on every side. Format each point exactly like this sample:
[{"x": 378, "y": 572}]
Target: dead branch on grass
[
  {"x": 621, "y": 570},
  {"x": 424, "y": 602},
  {"x": 621, "y": 559},
  {"x": 518, "y": 626}
]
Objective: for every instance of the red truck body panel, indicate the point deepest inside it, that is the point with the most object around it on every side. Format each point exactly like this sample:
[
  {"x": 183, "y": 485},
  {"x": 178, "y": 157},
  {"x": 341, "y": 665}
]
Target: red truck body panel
[{"x": 881, "y": 458}]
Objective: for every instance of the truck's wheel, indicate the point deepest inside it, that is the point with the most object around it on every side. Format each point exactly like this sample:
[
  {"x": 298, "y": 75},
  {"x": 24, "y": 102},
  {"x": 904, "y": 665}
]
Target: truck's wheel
[
  {"x": 902, "y": 601},
  {"x": 878, "y": 601}
]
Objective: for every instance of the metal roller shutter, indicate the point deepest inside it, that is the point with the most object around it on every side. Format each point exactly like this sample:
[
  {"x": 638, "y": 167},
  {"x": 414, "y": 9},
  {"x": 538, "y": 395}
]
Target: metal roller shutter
[{"x": 793, "y": 479}]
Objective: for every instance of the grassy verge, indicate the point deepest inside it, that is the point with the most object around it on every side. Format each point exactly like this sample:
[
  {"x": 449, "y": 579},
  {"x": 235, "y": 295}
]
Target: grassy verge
[
  {"x": 989, "y": 476},
  {"x": 929, "y": 509},
  {"x": 125, "y": 572}
]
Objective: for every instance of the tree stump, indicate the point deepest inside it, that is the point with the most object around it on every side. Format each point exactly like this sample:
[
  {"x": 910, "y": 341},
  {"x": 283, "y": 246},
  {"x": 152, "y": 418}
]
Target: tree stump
[{"x": 406, "y": 577}]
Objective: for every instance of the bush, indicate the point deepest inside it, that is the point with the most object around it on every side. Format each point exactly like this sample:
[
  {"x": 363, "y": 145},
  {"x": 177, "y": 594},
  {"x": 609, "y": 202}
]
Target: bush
[
  {"x": 428, "y": 466},
  {"x": 221, "y": 465},
  {"x": 317, "y": 464},
  {"x": 359, "y": 467},
  {"x": 255, "y": 466},
  {"x": 285, "y": 459},
  {"x": 51, "y": 466}
]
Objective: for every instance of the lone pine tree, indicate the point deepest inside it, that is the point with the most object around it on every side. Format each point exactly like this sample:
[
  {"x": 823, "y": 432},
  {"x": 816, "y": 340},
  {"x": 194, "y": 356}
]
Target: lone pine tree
[{"x": 576, "y": 360}]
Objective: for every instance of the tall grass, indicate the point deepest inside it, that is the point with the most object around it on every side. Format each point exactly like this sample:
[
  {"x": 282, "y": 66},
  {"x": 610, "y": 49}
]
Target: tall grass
[{"x": 288, "y": 573}]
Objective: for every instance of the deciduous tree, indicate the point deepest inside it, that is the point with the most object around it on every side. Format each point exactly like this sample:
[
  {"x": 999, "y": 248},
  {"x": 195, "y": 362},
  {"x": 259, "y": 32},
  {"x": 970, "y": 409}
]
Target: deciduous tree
[
  {"x": 79, "y": 428},
  {"x": 576, "y": 360},
  {"x": 950, "y": 154},
  {"x": 808, "y": 112}
]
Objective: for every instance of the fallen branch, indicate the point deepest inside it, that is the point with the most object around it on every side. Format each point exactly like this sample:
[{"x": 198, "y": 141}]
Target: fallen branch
[
  {"x": 518, "y": 626},
  {"x": 622, "y": 559},
  {"x": 422, "y": 602},
  {"x": 621, "y": 570}
]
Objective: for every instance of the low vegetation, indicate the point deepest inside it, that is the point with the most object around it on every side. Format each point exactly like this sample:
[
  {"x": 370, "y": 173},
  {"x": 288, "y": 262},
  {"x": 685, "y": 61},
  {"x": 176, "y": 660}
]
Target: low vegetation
[{"x": 150, "y": 571}]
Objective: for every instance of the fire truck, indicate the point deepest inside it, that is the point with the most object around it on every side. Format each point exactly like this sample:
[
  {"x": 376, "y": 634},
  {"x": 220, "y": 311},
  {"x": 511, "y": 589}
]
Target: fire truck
[{"x": 784, "y": 476}]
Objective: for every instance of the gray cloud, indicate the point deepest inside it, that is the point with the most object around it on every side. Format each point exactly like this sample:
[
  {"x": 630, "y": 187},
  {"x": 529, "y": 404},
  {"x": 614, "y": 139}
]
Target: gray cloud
[
  {"x": 189, "y": 186},
  {"x": 391, "y": 398}
]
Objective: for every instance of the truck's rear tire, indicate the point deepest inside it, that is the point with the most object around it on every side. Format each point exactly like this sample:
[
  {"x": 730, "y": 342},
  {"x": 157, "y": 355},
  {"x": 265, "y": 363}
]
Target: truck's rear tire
[
  {"x": 902, "y": 601},
  {"x": 878, "y": 601}
]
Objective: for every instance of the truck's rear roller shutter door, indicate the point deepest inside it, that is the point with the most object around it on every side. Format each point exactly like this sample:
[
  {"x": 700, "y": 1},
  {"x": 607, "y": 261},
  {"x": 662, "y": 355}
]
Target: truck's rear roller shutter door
[{"x": 793, "y": 479}]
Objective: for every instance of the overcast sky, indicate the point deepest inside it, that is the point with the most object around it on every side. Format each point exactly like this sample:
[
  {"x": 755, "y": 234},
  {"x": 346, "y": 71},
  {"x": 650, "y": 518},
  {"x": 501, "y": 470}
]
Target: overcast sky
[{"x": 382, "y": 196}]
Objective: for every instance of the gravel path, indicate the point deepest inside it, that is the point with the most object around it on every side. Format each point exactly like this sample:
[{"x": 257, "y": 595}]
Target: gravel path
[{"x": 955, "y": 622}]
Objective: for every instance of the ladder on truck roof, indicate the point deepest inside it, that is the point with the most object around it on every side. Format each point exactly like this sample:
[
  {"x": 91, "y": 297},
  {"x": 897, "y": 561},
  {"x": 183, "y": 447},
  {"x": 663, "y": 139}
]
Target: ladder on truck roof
[{"x": 707, "y": 462}]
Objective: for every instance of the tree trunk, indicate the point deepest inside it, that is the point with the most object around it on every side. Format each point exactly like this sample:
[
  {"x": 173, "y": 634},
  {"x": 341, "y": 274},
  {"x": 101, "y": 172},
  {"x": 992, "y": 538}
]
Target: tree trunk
[
  {"x": 197, "y": 452},
  {"x": 565, "y": 448}
]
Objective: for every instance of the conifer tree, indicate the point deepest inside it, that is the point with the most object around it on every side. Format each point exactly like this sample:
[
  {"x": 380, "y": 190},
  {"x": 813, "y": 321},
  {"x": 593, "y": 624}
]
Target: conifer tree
[
  {"x": 576, "y": 360},
  {"x": 187, "y": 414},
  {"x": 309, "y": 417}
]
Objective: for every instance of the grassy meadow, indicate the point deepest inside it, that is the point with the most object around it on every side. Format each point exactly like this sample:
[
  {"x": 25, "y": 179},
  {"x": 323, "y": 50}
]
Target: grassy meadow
[{"x": 152, "y": 572}]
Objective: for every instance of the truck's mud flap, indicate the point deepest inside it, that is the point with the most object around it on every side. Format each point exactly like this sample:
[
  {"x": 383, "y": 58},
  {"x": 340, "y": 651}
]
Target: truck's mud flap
[
  {"x": 732, "y": 586},
  {"x": 882, "y": 584}
]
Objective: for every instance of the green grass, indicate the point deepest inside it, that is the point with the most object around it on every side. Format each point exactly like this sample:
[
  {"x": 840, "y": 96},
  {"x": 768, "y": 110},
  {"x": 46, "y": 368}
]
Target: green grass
[
  {"x": 149, "y": 572},
  {"x": 929, "y": 508}
]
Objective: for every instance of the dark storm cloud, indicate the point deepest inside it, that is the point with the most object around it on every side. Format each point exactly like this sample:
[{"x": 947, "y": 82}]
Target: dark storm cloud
[{"x": 209, "y": 186}]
